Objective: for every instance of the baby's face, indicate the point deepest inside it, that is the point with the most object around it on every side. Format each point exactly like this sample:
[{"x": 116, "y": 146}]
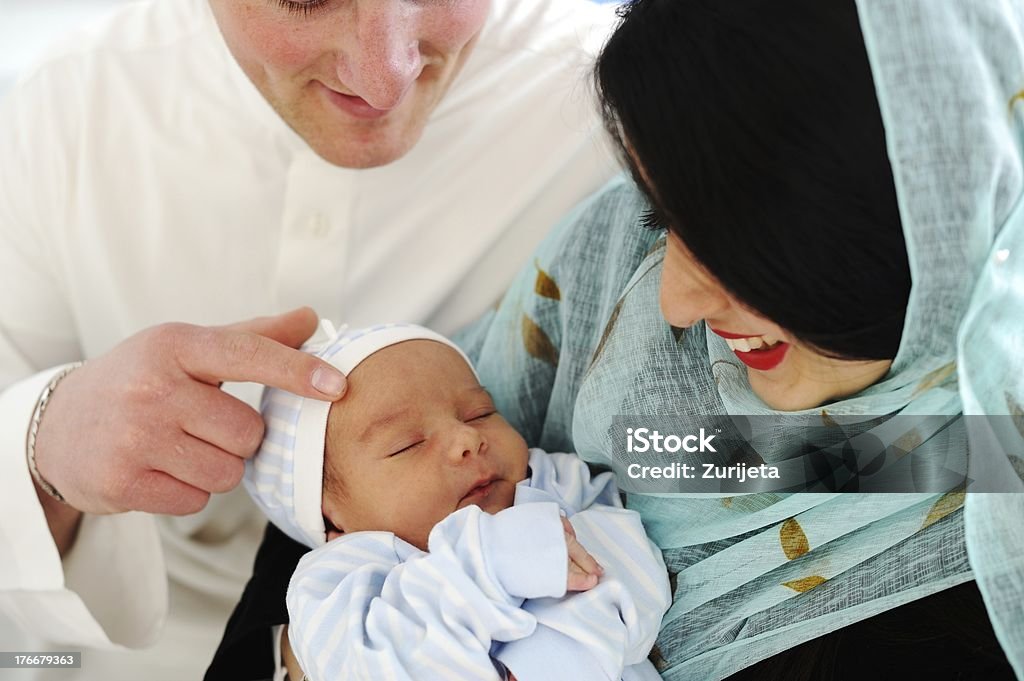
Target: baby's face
[{"x": 416, "y": 438}]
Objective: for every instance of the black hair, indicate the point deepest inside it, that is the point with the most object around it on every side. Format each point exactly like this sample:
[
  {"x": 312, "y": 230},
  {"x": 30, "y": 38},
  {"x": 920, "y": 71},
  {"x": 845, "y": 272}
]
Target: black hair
[{"x": 760, "y": 137}]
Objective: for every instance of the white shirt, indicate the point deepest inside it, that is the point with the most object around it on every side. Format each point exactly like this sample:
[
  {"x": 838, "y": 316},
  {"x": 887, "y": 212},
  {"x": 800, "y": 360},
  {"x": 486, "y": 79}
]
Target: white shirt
[{"x": 143, "y": 179}]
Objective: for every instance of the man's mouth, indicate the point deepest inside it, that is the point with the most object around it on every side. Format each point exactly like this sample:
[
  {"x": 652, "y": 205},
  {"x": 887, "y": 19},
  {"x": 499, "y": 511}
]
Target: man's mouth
[
  {"x": 763, "y": 353},
  {"x": 354, "y": 105}
]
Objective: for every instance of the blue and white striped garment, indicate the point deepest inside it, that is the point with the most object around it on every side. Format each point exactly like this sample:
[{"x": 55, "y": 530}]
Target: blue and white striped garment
[{"x": 490, "y": 595}]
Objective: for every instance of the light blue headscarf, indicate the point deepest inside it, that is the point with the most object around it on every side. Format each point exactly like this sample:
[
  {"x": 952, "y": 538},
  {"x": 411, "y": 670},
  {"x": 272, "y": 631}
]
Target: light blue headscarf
[{"x": 579, "y": 341}]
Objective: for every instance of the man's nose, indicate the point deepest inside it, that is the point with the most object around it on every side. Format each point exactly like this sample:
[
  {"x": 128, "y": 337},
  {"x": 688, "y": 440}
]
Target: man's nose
[{"x": 383, "y": 58}]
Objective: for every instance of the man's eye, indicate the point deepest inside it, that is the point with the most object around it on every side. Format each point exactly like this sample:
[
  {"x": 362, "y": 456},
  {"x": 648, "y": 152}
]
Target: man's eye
[
  {"x": 305, "y": 8},
  {"x": 481, "y": 417}
]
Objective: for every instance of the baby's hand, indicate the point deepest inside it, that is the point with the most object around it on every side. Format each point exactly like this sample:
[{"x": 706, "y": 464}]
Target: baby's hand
[{"x": 584, "y": 571}]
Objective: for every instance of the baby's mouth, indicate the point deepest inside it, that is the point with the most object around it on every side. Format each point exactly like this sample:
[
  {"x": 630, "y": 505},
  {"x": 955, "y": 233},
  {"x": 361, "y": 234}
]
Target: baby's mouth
[{"x": 480, "y": 490}]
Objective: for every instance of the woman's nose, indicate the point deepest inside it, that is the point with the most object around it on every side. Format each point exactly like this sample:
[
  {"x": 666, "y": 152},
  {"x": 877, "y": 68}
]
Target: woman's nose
[
  {"x": 382, "y": 59},
  {"x": 687, "y": 296}
]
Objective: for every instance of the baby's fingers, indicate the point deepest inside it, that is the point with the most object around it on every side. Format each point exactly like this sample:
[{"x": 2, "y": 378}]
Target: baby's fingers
[
  {"x": 582, "y": 558},
  {"x": 584, "y": 571},
  {"x": 567, "y": 526},
  {"x": 580, "y": 580}
]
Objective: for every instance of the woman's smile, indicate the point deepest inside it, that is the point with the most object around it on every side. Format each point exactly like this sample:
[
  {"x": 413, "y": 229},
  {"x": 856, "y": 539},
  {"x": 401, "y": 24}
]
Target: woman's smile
[{"x": 762, "y": 352}]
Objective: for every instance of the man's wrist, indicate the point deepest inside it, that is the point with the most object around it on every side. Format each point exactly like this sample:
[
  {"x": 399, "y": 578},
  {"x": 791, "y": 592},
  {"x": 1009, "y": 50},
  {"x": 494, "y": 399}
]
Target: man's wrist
[
  {"x": 33, "y": 431},
  {"x": 62, "y": 520}
]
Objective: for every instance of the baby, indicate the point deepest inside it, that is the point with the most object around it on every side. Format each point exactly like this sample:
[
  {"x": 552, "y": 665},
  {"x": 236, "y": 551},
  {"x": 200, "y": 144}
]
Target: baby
[{"x": 444, "y": 548}]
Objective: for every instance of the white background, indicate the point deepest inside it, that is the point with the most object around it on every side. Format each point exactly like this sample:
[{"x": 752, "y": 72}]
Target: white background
[{"x": 27, "y": 27}]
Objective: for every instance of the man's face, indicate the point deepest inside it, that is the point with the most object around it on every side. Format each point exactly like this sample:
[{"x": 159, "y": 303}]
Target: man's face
[
  {"x": 415, "y": 439},
  {"x": 356, "y": 79}
]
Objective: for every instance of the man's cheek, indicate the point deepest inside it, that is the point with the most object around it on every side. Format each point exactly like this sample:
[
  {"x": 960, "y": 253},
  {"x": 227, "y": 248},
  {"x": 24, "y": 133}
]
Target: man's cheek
[
  {"x": 287, "y": 55},
  {"x": 454, "y": 27}
]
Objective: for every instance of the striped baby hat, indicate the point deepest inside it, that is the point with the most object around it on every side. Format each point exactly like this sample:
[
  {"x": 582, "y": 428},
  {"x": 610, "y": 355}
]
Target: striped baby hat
[{"x": 285, "y": 477}]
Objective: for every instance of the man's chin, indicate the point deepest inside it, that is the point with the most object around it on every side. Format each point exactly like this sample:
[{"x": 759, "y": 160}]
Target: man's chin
[
  {"x": 360, "y": 158},
  {"x": 358, "y": 150}
]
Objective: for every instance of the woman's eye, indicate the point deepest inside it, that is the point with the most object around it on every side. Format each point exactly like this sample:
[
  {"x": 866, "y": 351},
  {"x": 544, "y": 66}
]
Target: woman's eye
[
  {"x": 481, "y": 417},
  {"x": 305, "y": 8}
]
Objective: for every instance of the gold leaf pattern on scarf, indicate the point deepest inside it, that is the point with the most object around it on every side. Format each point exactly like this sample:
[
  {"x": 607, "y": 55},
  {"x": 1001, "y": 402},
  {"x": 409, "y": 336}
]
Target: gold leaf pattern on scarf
[
  {"x": 1016, "y": 98},
  {"x": 1016, "y": 412},
  {"x": 1018, "y": 465},
  {"x": 947, "y": 503},
  {"x": 657, "y": 659},
  {"x": 827, "y": 419},
  {"x": 907, "y": 442},
  {"x": 727, "y": 502},
  {"x": 608, "y": 328},
  {"x": 934, "y": 378},
  {"x": 794, "y": 541},
  {"x": 806, "y": 584},
  {"x": 545, "y": 286},
  {"x": 537, "y": 342}
]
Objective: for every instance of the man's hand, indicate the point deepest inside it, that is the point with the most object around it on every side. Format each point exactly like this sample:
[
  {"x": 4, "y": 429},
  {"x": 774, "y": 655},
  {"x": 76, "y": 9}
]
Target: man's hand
[
  {"x": 584, "y": 571},
  {"x": 147, "y": 428}
]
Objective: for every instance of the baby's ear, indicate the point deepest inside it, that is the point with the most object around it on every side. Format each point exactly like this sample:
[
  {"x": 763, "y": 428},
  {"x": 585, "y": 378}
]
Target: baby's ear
[{"x": 333, "y": 531}]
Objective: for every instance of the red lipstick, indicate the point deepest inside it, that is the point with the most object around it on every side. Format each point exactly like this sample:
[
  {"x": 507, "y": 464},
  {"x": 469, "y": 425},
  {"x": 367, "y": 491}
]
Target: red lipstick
[
  {"x": 764, "y": 359},
  {"x": 731, "y": 336},
  {"x": 761, "y": 359}
]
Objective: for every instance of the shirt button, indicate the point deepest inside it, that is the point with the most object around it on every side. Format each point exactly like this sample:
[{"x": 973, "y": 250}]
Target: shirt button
[
  {"x": 317, "y": 226},
  {"x": 1002, "y": 255}
]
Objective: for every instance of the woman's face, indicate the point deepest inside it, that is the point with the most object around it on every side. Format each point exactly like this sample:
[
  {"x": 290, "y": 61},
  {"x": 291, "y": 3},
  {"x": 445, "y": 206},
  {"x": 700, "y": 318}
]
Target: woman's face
[{"x": 784, "y": 373}]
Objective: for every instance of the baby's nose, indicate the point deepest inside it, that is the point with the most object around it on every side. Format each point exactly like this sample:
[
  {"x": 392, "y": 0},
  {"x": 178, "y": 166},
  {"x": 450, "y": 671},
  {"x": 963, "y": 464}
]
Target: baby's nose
[{"x": 467, "y": 441}]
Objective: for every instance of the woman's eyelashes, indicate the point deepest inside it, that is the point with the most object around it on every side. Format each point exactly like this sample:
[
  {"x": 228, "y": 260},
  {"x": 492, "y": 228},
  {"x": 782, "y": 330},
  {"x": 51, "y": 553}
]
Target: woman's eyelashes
[
  {"x": 304, "y": 8},
  {"x": 653, "y": 220}
]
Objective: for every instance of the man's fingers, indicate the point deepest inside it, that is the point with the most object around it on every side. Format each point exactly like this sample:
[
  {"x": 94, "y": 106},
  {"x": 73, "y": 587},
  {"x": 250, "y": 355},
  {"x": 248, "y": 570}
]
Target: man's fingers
[
  {"x": 200, "y": 465},
  {"x": 220, "y": 419},
  {"x": 158, "y": 492},
  {"x": 291, "y": 328},
  {"x": 213, "y": 355}
]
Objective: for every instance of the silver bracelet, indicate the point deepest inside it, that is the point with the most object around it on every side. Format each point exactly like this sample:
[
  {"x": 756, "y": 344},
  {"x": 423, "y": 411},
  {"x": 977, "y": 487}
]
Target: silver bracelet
[{"x": 33, "y": 431}]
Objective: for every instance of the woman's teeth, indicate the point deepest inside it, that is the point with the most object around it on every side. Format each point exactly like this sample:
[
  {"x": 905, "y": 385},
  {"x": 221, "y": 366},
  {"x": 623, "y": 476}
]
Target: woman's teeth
[{"x": 751, "y": 343}]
